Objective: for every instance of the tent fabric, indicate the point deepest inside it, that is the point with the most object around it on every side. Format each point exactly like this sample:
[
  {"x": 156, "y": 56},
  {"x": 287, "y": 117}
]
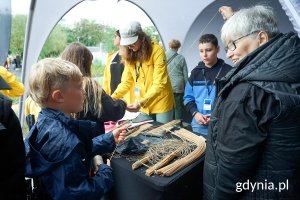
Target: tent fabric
[
  {"x": 193, "y": 14},
  {"x": 5, "y": 24},
  {"x": 292, "y": 10}
]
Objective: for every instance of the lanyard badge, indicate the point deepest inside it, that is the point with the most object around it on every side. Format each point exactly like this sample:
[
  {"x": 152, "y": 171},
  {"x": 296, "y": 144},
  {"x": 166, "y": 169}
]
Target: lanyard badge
[
  {"x": 136, "y": 92},
  {"x": 136, "y": 87},
  {"x": 207, "y": 105}
]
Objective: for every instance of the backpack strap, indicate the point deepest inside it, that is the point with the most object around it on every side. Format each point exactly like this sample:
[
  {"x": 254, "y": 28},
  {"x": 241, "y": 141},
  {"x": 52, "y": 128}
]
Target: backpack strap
[{"x": 168, "y": 61}]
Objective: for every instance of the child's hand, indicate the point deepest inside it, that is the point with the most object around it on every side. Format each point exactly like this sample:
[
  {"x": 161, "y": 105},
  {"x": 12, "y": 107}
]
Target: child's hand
[
  {"x": 120, "y": 134},
  {"x": 108, "y": 162}
]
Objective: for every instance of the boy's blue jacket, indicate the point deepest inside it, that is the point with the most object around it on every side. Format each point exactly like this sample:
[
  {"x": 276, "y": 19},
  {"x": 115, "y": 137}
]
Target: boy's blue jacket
[
  {"x": 59, "y": 151},
  {"x": 196, "y": 89}
]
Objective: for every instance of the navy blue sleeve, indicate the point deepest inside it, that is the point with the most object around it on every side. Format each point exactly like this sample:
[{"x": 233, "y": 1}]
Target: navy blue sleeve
[
  {"x": 104, "y": 143},
  {"x": 70, "y": 179}
]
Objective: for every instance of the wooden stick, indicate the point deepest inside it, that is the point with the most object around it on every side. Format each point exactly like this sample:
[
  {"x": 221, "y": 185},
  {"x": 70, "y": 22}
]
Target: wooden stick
[
  {"x": 174, "y": 167},
  {"x": 163, "y": 162},
  {"x": 166, "y": 127},
  {"x": 139, "y": 130},
  {"x": 141, "y": 162}
]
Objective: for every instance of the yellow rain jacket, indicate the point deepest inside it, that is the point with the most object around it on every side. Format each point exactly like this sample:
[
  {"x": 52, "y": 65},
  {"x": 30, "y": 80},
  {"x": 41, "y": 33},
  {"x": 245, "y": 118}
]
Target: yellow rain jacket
[
  {"x": 156, "y": 95},
  {"x": 32, "y": 108},
  {"x": 129, "y": 96},
  {"x": 17, "y": 88}
]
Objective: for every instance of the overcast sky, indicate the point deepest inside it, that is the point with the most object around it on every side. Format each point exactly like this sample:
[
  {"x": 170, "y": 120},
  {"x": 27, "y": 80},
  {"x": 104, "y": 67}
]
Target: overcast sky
[{"x": 104, "y": 11}]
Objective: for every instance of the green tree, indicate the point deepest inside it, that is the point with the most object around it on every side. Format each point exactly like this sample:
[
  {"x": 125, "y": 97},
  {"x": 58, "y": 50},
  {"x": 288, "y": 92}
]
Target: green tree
[
  {"x": 55, "y": 44},
  {"x": 18, "y": 34},
  {"x": 152, "y": 32},
  {"x": 88, "y": 32},
  {"x": 108, "y": 35},
  {"x": 71, "y": 37}
]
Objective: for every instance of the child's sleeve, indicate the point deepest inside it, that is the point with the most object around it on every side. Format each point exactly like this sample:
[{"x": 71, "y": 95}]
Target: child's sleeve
[
  {"x": 71, "y": 180},
  {"x": 104, "y": 143}
]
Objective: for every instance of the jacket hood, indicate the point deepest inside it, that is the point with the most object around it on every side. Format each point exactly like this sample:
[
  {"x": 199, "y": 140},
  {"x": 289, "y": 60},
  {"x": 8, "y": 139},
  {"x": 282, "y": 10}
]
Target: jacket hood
[{"x": 53, "y": 138}]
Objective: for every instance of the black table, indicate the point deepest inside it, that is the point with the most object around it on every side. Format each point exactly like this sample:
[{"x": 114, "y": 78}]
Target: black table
[{"x": 135, "y": 185}]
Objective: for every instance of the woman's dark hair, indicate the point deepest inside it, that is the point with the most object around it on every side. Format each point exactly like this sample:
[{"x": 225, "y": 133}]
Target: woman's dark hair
[
  {"x": 80, "y": 55},
  {"x": 118, "y": 33},
  {"x": 143, "y": 54}
]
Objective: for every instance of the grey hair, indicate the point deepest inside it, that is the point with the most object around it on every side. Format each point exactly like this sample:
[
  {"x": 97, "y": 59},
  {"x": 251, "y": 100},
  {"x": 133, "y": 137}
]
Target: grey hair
[{"x": 248, "y": 20}]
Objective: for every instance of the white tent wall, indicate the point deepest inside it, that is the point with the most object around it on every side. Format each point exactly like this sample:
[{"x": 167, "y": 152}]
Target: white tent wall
[
  {"x": 185, "y": 20},
  {"x": 42, "y": 18},
  {"x": 172, "y": 19},
  {"x": 5, "y": 31},
  {"x": 292, "y": 9},
  {"x": 46, "y": 14},
  {"x": 190, "y": 43}
]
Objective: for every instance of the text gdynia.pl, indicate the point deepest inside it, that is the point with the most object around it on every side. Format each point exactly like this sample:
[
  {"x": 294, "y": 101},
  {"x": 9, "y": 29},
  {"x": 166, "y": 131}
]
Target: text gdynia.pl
[{"x": 248, "y": 185}]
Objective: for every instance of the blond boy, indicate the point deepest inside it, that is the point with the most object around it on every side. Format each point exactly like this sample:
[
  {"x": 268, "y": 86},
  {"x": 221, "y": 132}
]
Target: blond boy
[{"x": 59, "y": 149}]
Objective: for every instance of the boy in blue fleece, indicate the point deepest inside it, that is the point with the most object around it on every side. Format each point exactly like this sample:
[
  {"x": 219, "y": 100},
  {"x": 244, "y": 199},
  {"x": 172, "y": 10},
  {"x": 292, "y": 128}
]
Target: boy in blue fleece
[
  {"x": 59, "y": 149},
  {"x": 200, "y": 90}
]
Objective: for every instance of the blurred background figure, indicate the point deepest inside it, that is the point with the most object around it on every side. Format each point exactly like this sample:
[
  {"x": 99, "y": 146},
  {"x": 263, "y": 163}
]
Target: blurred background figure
[
  {"x": 7, "y": 62},
  {"x": 178, "y": 73},
  {"x": 17, "y": 61}
]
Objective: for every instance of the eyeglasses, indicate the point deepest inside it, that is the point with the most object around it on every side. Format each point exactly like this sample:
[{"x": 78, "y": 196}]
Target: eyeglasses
[{"x": 232, "y": 46}]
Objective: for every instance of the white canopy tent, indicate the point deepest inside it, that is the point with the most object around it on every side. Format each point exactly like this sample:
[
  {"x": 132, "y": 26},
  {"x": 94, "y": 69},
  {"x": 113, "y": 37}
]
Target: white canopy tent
[
  {"x": 292, "y": 9},
  {"x": 5, "y": 31},
  {"x": 184, "y": 20}
]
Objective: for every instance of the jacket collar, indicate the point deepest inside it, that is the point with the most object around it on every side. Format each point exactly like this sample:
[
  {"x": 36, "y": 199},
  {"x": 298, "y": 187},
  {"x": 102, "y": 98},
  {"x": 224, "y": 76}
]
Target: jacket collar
[
  {"x": 201, "y": 64},
  {"x": 84, "y": 129}
]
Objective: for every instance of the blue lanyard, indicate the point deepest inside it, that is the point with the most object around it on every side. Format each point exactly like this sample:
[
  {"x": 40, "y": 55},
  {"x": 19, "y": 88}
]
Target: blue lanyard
[
  {"x": 137, "y": 72},
  {"x": 213, "y": 84}
]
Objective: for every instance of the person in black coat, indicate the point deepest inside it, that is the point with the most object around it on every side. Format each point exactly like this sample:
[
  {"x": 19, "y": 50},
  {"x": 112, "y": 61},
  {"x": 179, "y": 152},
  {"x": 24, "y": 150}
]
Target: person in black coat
[
  {"x": 12, "y": 151},
  {"x": 253, "y": 143}
]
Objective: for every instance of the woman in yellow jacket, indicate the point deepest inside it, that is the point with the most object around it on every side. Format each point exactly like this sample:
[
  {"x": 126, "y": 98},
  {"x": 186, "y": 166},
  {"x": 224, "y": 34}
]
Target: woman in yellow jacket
[
  {"x": 113, "y": 72},
  {"x": 146, "y": 69},
  {"x": 17, "y": 88}
]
